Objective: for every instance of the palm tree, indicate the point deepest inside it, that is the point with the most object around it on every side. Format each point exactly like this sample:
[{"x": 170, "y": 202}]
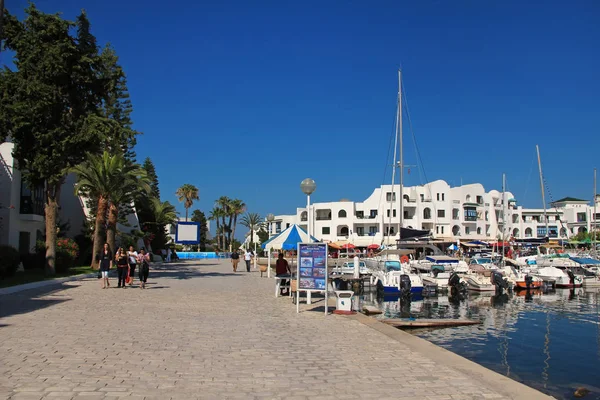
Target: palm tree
[
  {"x": 164, "y": 212},
  {"x": 187, "y": 194},
  {"x": 224, "y": 203},
  {"x": 132, "y": 180},
  {"x": 251, "y": 221},
  {"x": 215, "y": 215},
  {"x": 237, "y": 208},
  {"x": 98, "y": 178}
]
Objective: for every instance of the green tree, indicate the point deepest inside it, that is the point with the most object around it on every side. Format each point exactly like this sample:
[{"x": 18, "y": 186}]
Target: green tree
[
  {"x": 224, "y": 203},
  {"x": 50, "y": 104},
  {"x": 112, "y": 180},
  {"x": 215, "y": 215},
  {"x": 187, "y": 194},
  {"x": 163, "y": 213},
  {"x": 263, "y": 235},
  {"x": 236, "y": 207},
  {"x": 198, "y": 216},
  {"x": 252, "y": 221},
  {"x": 151, "y": 173}
]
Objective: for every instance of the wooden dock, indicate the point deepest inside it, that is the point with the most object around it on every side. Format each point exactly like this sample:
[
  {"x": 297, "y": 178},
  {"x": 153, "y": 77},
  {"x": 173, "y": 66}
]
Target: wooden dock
[{"x": 428, "y": 323}]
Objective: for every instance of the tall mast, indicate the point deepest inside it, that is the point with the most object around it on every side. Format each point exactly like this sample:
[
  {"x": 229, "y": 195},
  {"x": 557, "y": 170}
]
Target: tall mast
[
  {"x": 594, "y": 217},
  {"x": 542, "y": 186},
  {"x": 503, "y": 213},
  {"x": 399, "y": 125}
]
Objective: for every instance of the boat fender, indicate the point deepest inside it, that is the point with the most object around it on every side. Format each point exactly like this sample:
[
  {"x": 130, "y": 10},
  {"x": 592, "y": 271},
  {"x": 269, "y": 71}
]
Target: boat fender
[{"x": 404, "y": 260}]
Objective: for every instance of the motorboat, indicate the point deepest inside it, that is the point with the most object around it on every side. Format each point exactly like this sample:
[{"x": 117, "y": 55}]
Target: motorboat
[
  {"x": 348, "y": 268},
  {"x": 438, "y": 276},
  {"x": 559, "y": 278},
  {"x": 449, "y": 263},
  {"x": 393, "y": 279},
  {"x": 479, "y": 283},
  {"x": 519, "y": 279},
  {"x": 590, "y": 269}
]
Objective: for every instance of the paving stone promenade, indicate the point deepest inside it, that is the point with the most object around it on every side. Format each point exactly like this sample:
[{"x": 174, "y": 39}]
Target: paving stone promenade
[{"x": 200, "y": 331}]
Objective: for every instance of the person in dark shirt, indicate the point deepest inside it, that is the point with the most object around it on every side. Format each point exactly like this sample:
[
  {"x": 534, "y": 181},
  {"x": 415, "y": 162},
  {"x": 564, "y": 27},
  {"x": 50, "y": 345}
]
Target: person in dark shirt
[
  {"x": 282, "y": 268},
  {"x": 235, "y": 260},
  {"x": 106, "y": 259}
]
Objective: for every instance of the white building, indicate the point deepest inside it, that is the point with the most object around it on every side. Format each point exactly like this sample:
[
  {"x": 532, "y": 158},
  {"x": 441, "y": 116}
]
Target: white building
[
  {"x": 22, "y": 209},
  {"x": 465, "y": 212}
]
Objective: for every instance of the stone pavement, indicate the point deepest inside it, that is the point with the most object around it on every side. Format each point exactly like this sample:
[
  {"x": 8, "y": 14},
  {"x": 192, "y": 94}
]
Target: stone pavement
[{"x": 200, "y": 331}]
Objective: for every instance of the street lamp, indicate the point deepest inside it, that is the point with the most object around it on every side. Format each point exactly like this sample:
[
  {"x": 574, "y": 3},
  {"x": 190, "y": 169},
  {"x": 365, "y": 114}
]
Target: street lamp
[
  {"x": 308, "y": 187},
  {"x": 270, "y": 219}
]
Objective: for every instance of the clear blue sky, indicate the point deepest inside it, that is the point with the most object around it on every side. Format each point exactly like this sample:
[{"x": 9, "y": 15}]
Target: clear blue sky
[{"x": 246, "y": 99}]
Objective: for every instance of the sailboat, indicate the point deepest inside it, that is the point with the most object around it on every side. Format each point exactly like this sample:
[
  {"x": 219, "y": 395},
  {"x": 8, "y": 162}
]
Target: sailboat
[{"x": 392, "y": 274}]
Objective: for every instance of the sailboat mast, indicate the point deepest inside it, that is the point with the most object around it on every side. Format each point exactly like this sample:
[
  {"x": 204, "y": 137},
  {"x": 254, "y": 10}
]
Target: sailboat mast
[
  {"x": 542, "y": 186},
  {"x": 503, "y": 213},
  {"x": 399, "y": 125},
  {"x": 594, "y": 216}
]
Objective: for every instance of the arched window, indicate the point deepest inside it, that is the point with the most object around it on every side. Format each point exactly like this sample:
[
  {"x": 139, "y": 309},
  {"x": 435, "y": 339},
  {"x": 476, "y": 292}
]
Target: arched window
[
  {"x": 515, "y": 218},
  {"x": 342, "y": 214},
  {"x": 427, "y": 213},
  {"x": 456, "y": 230},
  {"x": 468, "y": 198},
  {"x": 344, "y": 231},
  {"x": 455, "y": 213},
  {"x": 515, "y": 233},
  {"x": 405, "y": 197},
  {"x": 582, "y": 229},
  {"x": 303, "y": 216},
  {"x": 479, "y": 231},
  {"x": 528, "y": 232}
]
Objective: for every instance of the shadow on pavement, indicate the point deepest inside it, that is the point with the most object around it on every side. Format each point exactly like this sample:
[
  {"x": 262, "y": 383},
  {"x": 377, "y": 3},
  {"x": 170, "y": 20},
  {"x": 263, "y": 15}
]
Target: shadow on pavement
[
  {"x": 32, "y": 299},
  {"x": 176, "y": 270}
]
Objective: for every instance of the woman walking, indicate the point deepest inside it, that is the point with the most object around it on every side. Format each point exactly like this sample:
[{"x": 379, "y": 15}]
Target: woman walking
[
  {"x": 122, "y": 267},
  {"x": 133, "y": 255},
  {"x": 106, "y": 259},
  {"x": 144, "y": 262}
]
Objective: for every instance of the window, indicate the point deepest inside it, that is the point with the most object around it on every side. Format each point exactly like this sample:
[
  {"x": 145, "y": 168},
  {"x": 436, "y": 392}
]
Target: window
[
  {"x": 360, "y": 214},
  {"x": 541, "y": 231},
  {"x": 443, "y": 197},
  {"x": 442, "y": 230},
  {"x": 407, "y": 215},
  {"x": 441, "y": 213},
  {"x": 438, "y": 197},
  {"x": 373, "y": 214},
  {"x": 277, "y": 227},
  {"x": 515, "y": 218},
  {"x": 372, "y": 230},
  {"x": 422, "y": 197},
  {"x": 581, "y": 217},
  {"x": 287, "y": 226},
  {"x": 456, "y": 230},
  {"x": 437, "y": 229},
  {"x": 455, "y": 213},
  {"x": 467, "y": 230},
  {"x": 528, "y": 232},
  {"x": 405, "y": 197},
  {"x": 470, "y": 214},
  {"x": 303, "y": 216},
  {"x": 479, "y": 199},
  {"x": 468, "y": 198},
  {"x": 479, "y": 231},
  {"x": 342, "y": 214},
  {"x": 32, "y": 201},
  {"x": 393, "y": 213},
  {"x": 344, "y": 231},
  {"x": 389, "y": 196},
  {"x": 360, "y": 231},
  {"x": 325, "y": 230},
  {"x": 427, "y": 213}
]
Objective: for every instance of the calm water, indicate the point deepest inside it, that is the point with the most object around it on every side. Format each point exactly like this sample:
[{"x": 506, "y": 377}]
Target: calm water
[{"x": 548, "y": 341}]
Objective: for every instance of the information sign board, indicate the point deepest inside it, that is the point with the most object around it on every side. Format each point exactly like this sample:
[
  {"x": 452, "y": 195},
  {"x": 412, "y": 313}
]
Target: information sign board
[{"x": 312, "y": 268}]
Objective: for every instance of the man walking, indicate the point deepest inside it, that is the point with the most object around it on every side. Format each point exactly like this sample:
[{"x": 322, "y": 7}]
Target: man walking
[
  {"x": 235, "y": 259},
  {"x": 248, "y": 258}
]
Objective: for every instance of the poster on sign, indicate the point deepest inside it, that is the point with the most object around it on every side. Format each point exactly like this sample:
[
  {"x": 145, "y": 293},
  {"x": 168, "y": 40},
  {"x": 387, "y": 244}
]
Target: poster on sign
[{"x": 312, "y": 269}]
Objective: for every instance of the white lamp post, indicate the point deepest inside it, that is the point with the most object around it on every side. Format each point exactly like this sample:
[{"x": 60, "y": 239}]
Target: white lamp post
[
  {"x": 270, "y": 219},
  {"x": 308, "y": 187}
]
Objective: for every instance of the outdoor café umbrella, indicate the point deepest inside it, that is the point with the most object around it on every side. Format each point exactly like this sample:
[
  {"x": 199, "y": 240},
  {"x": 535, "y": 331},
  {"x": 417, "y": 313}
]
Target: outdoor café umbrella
[
  {"x": 373, "y": 246},
  {"x": 288, "y": 239}
]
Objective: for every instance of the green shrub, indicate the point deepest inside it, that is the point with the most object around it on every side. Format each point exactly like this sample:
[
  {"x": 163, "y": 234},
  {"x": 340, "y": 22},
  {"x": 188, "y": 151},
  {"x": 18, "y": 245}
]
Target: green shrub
[
  {"x": 66, "y": 253},
  {"x": 9, "y": 261},
  {"x": 33, "y": 260}
]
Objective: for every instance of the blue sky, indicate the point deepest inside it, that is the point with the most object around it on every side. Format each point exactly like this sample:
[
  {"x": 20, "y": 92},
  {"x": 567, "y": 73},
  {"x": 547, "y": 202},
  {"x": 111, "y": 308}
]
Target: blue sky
[{"x": 246, "y": 99}]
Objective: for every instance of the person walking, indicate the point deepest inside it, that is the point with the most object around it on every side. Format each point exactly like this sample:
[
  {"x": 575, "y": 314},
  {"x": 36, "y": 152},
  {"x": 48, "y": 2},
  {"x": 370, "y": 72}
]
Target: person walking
[
  {"x": 235, "y": 260},
  {"x": 133, "y": 255},
  {"x": 248, "y": 258},
  {"x": 282, "y": 269},
  {"x": 122, "y": 267},
  {"x": 106, "y": 259},
  {"x": 144, "y": 263}
]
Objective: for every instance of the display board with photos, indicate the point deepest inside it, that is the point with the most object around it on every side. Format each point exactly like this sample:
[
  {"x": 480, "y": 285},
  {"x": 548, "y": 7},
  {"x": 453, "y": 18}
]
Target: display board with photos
[{"x": 312, "y": 266}]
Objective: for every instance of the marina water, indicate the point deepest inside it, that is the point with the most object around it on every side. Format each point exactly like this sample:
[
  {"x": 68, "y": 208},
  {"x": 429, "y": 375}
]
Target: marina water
[{"x": 549, "y": 341}]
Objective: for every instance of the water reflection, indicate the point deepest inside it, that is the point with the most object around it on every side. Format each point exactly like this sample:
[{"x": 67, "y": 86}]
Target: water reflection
[{"x": 550, "y": 341}]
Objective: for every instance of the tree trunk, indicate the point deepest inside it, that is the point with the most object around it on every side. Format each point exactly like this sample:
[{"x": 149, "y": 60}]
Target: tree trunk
[
  {"x": 100, "y": 222},
  {"x": 229, "y": 232},
  {"x": 51, "y": 214},
  {"x": 186, "y": 214},
  {"x": 225, "y": 244},
  {"x": 234, "y": 225},
  {"x": 111, "y": 231},
  {"x": 251, "y": 233}
]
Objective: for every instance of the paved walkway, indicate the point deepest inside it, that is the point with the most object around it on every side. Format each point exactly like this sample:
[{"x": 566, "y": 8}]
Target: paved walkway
[{"x": 200, "y": 331}]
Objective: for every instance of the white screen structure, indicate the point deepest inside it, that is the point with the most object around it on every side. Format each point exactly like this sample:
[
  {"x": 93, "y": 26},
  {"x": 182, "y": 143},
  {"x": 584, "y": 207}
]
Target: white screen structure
[{"x": 187, "y": 233}]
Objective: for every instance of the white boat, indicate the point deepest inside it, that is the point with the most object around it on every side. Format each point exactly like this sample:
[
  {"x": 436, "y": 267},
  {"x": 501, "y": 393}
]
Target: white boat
[
  {"x": 590, "y": 269},
  {"x": 388, "y": 276},
  {"x": 479, "y": 283},
  {"x": 558, "y": 277},
  {"x": 348, "y": 268}
]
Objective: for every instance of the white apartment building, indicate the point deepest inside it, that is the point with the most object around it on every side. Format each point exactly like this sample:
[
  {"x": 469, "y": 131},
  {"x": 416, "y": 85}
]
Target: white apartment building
[
  {"x": 465, "y": 212},
  {"x": 22, "y": 209}
]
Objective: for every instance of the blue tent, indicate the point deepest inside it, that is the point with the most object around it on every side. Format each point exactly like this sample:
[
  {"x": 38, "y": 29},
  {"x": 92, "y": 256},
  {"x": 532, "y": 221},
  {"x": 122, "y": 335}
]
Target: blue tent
[{"x": 288, "y": 239}]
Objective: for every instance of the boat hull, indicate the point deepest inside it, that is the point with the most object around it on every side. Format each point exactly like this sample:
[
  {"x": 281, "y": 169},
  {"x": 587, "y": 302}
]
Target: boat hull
[
  {"x": 521, "y": 285},
  {"x": 395, "y": 290}
]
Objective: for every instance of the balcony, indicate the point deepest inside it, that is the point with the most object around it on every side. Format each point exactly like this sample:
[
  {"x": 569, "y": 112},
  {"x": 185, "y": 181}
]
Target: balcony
[
  {"x": 471, "y": 219},
  {"x": 323, "y": 218}
]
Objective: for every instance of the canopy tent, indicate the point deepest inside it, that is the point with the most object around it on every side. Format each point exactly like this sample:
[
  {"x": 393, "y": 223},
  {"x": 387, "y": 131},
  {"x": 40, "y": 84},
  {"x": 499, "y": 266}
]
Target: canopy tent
[{"x": 288, "y": 239}]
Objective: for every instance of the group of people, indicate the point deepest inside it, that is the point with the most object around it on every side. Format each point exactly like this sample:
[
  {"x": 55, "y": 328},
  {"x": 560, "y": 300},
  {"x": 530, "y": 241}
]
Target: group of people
[
  {"x": 235, "y": 259},
  {"x": 126, "y": 262}
]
